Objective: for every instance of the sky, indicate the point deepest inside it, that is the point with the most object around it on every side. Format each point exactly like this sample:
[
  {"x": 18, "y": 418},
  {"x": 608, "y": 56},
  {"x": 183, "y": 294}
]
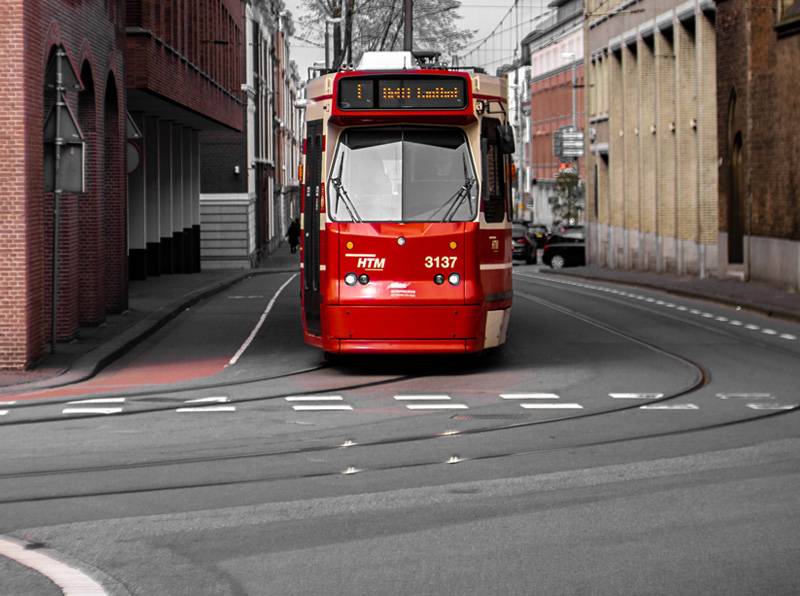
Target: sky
[{"x": 481, "y": 15}]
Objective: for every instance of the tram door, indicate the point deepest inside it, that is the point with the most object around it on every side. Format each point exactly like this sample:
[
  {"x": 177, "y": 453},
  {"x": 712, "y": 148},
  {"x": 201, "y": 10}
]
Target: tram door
[{"x": 311, "y": 298}]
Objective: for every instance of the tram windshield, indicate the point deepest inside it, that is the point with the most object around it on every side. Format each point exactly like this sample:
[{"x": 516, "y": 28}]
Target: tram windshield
[{"x": 402, "y": 174}]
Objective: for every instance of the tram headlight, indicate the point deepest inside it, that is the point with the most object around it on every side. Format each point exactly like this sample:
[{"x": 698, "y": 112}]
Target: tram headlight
[
  {"x": 351, "y": 279},
  {"x": 454, "y": 279},
  {"x": 438, "y": 279},
  {"x": 363, "y": 279}
]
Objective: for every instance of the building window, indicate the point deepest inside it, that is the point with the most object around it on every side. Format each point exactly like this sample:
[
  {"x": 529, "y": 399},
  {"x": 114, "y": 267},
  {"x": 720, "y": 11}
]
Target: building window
[{"x": 788, "y": 11}]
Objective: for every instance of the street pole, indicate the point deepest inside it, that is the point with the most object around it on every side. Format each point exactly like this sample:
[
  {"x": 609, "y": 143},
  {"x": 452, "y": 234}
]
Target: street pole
[
  {"x": 61, "y": 101},
  {"x": 408, "y": 36}
]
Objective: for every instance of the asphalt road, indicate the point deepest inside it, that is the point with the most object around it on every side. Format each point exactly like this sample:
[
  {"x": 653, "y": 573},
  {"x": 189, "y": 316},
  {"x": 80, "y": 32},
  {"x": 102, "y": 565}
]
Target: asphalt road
[{"x": 622, "y": 442}]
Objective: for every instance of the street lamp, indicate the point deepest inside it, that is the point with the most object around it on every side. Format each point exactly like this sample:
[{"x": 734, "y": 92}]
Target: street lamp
[{"x": 329, "y": 21}]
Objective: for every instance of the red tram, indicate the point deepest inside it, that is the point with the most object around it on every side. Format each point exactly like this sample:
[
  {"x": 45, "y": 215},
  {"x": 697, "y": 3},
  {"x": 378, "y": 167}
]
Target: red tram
[{"x": 406, "y": 216}]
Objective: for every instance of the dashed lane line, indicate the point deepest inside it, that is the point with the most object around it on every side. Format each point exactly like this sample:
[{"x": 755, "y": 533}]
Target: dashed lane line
[
  {"x": 207, "y": 409},
  {"x": 636, "y": 395},
  {"x": 529, "y": 396},
  {"x": 104, "y": 411},
  {"x": 694, "y": 311}
]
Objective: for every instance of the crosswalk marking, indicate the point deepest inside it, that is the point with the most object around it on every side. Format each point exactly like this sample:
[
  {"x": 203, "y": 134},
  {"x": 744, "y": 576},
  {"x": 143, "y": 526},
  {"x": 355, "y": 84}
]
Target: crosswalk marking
[
  {"x": 552, "y": 406},
  {"x": 208, "y": 409},
  {"x": 321, "y": 408},
  {"x": 529, "y": 396},
  {"x": 91, "y": 411},
  {"x": 437, "y": 406}
]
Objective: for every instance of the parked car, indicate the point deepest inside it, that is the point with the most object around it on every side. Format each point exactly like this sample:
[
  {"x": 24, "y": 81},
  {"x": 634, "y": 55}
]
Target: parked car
[
  {"x": 524, "y": 243},
  {"x": 539, "y": 233},
  {"x": 565, "y": 249}
]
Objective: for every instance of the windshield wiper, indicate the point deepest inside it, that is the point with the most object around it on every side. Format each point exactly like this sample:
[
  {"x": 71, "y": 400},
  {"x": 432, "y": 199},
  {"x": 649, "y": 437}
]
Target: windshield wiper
[
  {"x": 453, "y": 203},
  {"x": 342, "y": 192}
]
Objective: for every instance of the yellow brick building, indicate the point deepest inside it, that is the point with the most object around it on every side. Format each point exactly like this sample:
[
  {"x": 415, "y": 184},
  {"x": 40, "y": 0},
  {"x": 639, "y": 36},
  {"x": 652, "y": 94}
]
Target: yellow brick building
[{"x": 651, "y": 178}]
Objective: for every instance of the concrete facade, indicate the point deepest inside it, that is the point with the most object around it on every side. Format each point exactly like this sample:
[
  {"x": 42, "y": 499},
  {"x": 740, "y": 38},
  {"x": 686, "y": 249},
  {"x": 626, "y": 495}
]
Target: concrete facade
[{"x": 651, "y": 200}]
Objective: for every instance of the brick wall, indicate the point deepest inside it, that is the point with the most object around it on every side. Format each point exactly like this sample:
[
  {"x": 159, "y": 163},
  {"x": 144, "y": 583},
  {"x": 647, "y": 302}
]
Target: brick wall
[{"x": 93, "y": 32}]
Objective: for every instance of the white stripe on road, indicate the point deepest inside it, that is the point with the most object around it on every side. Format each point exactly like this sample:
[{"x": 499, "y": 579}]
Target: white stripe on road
[
  {"x": 3, "y": 412},
  {"x": 263, "y": 318},
  {"x": 91, "y": 410},
  {"x": 208, "y": 409},
  {"x": 529, "y": 396},
  {"x": 71, "y": 581},
  {"x": 200, "y": 400},
  {"x": 636, "y": 395},
  {"x": 314, "y": 398},
  {"x": 437, "y": 407},
  {"x": 670, "y": 407},
  {"x": 422, "y": 397},
  {"x": 771, "y": 407},
  {"x": 100, "y": 400},
  {"x": 552, "y": 406},
  {"x": 321, "y": 408},
  {"x": 744, "y": 395}
]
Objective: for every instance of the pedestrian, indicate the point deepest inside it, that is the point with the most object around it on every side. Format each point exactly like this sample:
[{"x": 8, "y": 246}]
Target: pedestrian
[{"x": 294, "y": 234}]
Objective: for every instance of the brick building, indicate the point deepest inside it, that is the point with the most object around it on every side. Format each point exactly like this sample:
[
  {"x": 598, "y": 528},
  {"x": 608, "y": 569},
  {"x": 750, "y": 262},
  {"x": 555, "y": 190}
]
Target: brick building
[
  {"x": 92, "y": 259},
  {"x": 555, "y": 47},
  {"x": 759, "y": 146},
  {"x": 152, "y": 79},
  {"x": 651, "y": 200},
  {"x": 185, "y": 67},
  {"x": 246, "y": 195}
]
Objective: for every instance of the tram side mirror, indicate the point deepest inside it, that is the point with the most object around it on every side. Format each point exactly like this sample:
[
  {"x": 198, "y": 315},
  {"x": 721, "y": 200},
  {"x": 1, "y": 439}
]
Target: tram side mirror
[{"x": 505, "y": 137}]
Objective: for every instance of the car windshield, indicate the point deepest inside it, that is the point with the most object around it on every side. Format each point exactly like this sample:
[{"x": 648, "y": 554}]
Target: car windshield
[{"x": 402, "y": 174}]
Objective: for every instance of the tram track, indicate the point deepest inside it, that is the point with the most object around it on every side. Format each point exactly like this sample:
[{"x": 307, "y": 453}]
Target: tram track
[{"x": 336, "y": 446}]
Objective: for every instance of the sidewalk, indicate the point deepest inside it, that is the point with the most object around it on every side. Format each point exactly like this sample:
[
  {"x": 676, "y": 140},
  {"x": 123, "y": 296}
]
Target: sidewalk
[
  {"x": 151, "y": 304},
  {"x": 157, "y": 300},
  {"x": 753, "y": 296}
]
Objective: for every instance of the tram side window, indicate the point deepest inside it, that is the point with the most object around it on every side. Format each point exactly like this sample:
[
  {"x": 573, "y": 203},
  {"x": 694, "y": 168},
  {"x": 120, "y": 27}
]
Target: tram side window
[{"x": 494, "y": 195}]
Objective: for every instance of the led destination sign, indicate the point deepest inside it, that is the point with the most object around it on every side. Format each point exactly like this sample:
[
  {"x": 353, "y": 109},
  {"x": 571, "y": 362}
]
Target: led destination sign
[{"x": 428, "y": 93}]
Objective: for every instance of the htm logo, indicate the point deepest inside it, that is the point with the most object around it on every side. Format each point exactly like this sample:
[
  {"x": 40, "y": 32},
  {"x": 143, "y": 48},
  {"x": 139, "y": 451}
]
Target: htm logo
[{"x": 371, "y": 263}]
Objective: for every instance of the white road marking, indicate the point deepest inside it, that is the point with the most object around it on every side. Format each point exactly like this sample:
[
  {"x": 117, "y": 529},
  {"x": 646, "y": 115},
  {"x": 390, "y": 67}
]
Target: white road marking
[
  {"x": 752, "y": 327},
  {"x": 219, "y": 400},
  {"x": 296, "y": 398},
  {"x": 91, "y": 410},
  {"x": 636, "y": 395},
  {"x": 745, "y": 396},
  {"x": 263, "y": 318},
  {"x": 321, "y": 408},
  {"x": 3, "y": 412},
  {"x": 422, "y": 397},
  {"x": 552, "y": 406},
  {"x": 208, "y": 409},
  {"x": 437, "y": 407},
  {"x": 529, "y": 396},
  {"x": 7, "y": 403},
  {"x": 787, "y": 336},
  {"x": 100, "y": 400},
  {"x": 670, "y": 407},
  {"x": 72, "y": 582},
  {"x": 771, "y": 406}
]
